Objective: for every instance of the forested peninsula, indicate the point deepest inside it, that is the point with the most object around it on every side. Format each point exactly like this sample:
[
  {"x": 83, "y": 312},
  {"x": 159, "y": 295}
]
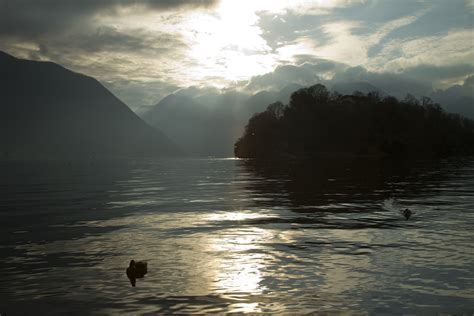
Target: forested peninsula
[{"x": 318, "y": 123}]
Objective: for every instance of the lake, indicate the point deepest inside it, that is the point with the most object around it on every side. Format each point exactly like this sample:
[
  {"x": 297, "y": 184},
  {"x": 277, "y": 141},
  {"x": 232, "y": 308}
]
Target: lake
[{"x": 228, "y": 235}]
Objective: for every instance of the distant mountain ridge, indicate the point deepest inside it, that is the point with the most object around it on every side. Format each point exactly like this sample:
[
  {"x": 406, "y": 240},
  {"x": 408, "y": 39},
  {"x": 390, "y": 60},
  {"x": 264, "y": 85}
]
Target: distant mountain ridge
[
  {"x": 196, "y": 128},
  {"x": 208, "y": 125},
  {"x": 49, "y": 111}
]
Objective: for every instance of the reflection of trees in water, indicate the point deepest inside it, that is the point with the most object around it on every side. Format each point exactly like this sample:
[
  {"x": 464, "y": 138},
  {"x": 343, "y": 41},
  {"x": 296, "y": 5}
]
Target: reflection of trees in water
[{"x": 346, "y": 184}]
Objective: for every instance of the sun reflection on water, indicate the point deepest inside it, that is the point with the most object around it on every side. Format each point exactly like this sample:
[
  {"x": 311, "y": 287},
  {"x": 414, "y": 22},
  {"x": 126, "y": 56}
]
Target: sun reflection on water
[
  {"x": 235, "y": 216},
  {"x": 239, "y": 261}
]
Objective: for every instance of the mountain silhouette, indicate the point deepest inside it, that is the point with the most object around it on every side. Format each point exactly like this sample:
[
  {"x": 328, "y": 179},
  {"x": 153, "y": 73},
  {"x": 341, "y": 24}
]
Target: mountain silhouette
[
  {"x": 185, "y": 120},
  {"x": 48, "y": 111},
  {"x": 209, "y": 124}
]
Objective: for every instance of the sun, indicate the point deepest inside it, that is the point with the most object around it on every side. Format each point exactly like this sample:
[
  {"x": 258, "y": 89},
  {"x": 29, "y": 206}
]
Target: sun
[{"x": 228, "y": 43}]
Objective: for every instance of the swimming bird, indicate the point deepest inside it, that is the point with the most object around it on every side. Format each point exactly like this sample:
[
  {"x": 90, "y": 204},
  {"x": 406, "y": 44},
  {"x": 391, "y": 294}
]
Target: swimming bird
[
  {"x": 136, "y": 270},
  {"x": 407, "y": 213}
]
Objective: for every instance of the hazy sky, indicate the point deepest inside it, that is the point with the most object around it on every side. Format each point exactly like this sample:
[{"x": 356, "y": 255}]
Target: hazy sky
[{"x": 143, "y": 50}]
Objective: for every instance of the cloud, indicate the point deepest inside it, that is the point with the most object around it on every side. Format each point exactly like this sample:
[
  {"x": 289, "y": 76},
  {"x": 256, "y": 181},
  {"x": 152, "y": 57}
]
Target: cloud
[
  {"x": 439, "y": 76},
  {"x": 344, "y": 46},
  {"x": 455, "y": 46},
  {"x": 134, "y": 46},
  {"x": 352, "y": 42},
  {"x": 110, "y": 53},
  {"x": 420, "y": 80},
  {"x": 458, "y": 98},
  {"x": 112, "y": 40},
  {"x": 103, "y": 39},
  {"x": 28, "y": 18},
  {"x": 283, "y": 76},
  {"x": 391, "y": 83},
  {"x": 470, "y": 4}
]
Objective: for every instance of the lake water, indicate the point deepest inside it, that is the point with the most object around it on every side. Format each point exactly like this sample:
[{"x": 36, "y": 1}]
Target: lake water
[{"x": 226, "y": 235}]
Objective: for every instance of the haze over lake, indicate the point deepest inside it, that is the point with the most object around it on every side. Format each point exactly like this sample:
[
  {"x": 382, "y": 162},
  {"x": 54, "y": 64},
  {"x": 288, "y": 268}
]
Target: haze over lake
[{"x": 227, "y": 235}]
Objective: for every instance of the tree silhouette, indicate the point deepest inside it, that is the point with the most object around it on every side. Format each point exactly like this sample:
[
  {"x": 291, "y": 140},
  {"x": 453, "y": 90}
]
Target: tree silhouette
[{"x": 316, "y": 122}]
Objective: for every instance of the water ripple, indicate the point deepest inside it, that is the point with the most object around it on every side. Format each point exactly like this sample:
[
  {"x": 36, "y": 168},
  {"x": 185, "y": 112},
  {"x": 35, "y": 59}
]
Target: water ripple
[{"x": 231, "y": 236}]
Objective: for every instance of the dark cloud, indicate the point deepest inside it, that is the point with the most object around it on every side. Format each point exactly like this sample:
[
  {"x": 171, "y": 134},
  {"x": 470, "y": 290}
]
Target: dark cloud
[
  {"x": 458, "y": 98},
  {"x": 106, "y": 38},
  {"x": 172, "y": 4},
  {"x": 418, "y": 80},
  {"x": 396, "y": 84},
  {"x": 393, "y": 84},
  {"x": 31, "y": 18},
  {"x": 74, "y": 34},
  {"x": 431, "y": 73}
]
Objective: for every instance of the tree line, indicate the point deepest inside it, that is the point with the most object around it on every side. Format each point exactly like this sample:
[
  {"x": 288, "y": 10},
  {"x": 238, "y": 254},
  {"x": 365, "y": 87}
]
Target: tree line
[{"x": 317, "y": 122}]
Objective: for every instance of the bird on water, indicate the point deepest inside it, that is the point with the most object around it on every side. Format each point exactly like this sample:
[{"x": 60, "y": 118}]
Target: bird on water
[
  {"x": 407, "y": 213},
  {"x": 136, "y": 270}
]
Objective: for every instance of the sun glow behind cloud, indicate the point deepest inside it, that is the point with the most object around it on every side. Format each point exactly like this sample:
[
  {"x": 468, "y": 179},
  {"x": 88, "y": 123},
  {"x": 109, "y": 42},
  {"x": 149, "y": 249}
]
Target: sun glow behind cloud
[{"x": 227, "y": 44}]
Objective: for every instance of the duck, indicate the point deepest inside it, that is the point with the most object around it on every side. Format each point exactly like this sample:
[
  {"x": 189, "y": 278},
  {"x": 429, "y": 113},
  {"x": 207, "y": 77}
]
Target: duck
[
  {"x": 407, "y": 213},
  {"x": 136, "y": 270}
]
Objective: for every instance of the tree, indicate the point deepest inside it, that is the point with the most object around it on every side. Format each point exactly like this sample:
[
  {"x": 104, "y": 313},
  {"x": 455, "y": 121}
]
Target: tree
[
  {"x": 277, "y": 109},
  {"x": 315, "y": 123}
]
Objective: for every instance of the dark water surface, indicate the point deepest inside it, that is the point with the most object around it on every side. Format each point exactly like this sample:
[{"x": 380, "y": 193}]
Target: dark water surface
[{"x": 225, "y": 235}]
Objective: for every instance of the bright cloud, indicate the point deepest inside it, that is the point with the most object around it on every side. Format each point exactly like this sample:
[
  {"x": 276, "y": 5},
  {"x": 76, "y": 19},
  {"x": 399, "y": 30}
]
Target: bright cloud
[{"x": 445, "y": 49}]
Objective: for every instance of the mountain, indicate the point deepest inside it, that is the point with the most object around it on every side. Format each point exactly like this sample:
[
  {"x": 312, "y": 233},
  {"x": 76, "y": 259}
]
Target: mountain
[
  {"x": 140, "y": 109},
  {"x": 48, "y": 111},
  {"x": 207, "y": 123},
  {"x": 198, "y": 129}
]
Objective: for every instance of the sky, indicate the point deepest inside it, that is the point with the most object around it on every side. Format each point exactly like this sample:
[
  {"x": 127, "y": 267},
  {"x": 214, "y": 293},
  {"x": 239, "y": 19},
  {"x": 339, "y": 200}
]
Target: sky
[{"x": 144, "y": 50}]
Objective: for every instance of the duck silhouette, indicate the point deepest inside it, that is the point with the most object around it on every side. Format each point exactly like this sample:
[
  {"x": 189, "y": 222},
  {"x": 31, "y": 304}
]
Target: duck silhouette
[
  {"x": 407, "y": 213},
  {"x": 136, "y": 270}
]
